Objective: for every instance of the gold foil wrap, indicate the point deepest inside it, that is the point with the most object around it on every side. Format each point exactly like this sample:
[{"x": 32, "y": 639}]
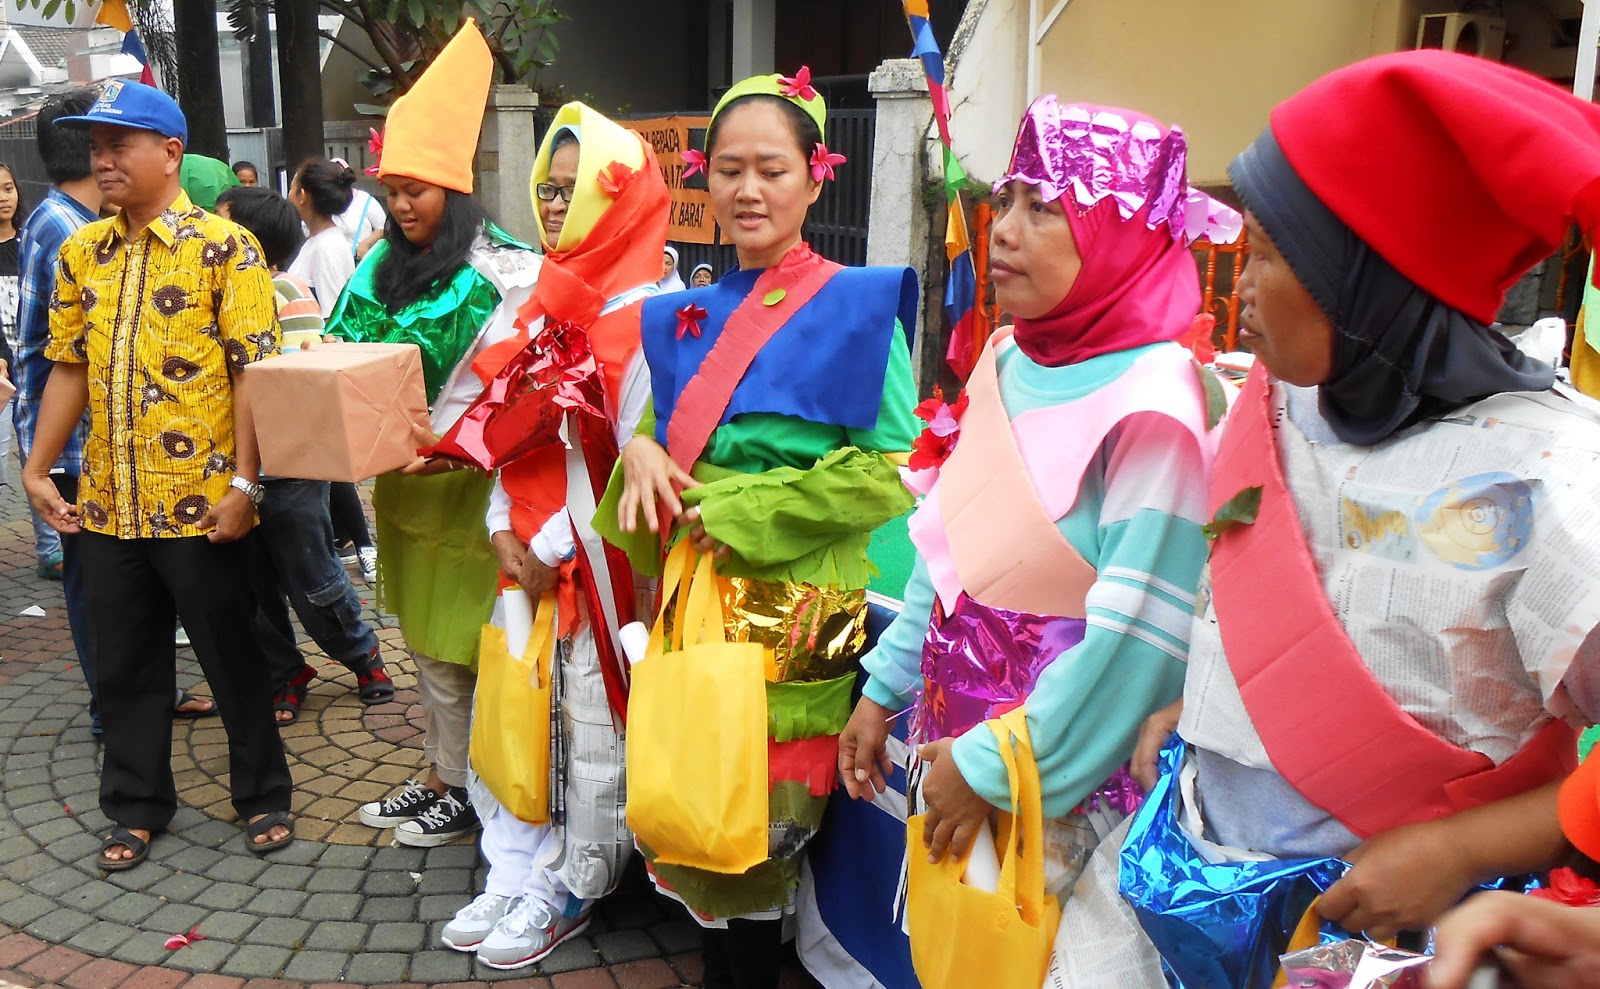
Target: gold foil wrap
[{"x": 811, "y": 633}]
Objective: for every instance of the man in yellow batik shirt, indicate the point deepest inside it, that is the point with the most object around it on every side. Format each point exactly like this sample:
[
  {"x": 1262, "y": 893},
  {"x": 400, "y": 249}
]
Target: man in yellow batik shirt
[{"x": 155, "y": 313}]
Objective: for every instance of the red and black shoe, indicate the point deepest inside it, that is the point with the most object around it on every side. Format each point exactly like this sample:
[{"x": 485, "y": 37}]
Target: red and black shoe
[
  {"x": 292, "y": 695},
  {"x": 374, "y": 686}
]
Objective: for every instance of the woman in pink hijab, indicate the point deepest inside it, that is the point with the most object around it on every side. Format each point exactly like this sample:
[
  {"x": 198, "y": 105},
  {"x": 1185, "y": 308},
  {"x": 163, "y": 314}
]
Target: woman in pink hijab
[{"x": 1059, "y": 540}]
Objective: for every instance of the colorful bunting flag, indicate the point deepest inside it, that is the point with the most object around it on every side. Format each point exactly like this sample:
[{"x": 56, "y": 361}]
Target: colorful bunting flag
[
  {"x": 961, "y": 287},
  {"x": 114, "y": 14}
]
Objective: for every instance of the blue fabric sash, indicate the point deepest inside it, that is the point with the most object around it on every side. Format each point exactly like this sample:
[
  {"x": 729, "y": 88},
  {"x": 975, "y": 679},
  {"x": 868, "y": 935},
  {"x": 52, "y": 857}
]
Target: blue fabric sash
[{"x": 825, "y": 365}]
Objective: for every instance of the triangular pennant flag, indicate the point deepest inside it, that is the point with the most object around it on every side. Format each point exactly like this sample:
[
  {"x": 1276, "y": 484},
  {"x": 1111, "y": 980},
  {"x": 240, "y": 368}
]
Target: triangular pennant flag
[{"x": 114, "y": 13}]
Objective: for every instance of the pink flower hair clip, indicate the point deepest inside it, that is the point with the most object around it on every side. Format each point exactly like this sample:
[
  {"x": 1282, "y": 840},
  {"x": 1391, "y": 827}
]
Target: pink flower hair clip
[
  {"x": 694, "y": 161},
  {"x": 798, "y": 86},
  {"x": 823, "y": 163}
]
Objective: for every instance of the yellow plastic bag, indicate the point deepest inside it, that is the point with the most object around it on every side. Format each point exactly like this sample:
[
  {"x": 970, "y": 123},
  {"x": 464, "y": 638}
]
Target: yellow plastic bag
[
  {"x": 697, "y": 733},
  {"x": 962, "y": 936},
  {"x": 510, "y": 748}
]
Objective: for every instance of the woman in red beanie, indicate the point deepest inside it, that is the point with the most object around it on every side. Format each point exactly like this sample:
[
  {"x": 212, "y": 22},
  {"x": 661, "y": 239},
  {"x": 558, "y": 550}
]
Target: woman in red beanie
[{"x": 1403, "y": 589}]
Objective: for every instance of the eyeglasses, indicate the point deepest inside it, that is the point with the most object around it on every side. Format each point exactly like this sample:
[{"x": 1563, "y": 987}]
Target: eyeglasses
[{"x": 547, "y": 192}]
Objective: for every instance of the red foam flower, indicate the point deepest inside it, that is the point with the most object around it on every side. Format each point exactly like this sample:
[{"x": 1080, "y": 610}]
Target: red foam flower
[
  {"x": 1569, "y": 888},
  {"x": 798, "y": 86},
  {"x": 1199, "y": 338},
  {"x": 689, "y": 318},
  {"x": 935, "y": 444},
  {"x": 694, "y": 161},
  {"x": 823, "y": 162},
  {"x": 615, "y": 178},
  {"x": 375, "y": 148}
]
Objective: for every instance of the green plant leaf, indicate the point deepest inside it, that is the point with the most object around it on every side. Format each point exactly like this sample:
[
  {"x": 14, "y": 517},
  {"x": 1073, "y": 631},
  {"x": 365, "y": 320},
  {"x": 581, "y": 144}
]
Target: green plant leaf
[
  {"x": 1241, "y": 509},
  {"x": 371, "y": 109},
  {"x": 1216, "y": 398}
]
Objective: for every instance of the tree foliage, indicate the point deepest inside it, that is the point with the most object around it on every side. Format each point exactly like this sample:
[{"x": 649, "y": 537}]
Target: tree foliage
[{"x": 406, "y": 35}]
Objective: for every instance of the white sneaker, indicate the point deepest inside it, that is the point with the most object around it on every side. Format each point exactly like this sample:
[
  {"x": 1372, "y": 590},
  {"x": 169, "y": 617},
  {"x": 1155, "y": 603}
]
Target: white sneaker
[
  {"x": 473, "y": 922},
  {"x": 368, "y": 555},
  {"x": 527, "y": 933},
  {"x": 180, "y": 637}
]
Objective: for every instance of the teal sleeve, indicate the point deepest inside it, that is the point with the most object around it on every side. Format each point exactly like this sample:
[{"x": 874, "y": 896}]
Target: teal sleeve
[
  {"x": 1085, "y": 710},
  {"x": 897, "y": 423},
  {"x": 894, "y": 665}
]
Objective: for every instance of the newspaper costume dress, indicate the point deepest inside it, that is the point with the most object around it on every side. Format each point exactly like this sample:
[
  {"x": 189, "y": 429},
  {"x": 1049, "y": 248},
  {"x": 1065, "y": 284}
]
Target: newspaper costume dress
[{"x": 1403, "y": 628}]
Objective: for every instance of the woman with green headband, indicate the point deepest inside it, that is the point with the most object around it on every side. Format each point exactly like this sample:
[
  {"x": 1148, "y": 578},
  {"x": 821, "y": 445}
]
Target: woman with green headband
[{"x": 783, "y": 404}]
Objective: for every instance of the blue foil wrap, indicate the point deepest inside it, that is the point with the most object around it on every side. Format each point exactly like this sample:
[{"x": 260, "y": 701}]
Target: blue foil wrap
[
  {"x": 1223, "y": 925},
  {"x": 1219, "y": 925}
]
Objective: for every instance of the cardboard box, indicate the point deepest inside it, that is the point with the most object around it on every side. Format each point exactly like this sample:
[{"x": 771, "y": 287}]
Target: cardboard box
[{"x": 337, "y": 412}]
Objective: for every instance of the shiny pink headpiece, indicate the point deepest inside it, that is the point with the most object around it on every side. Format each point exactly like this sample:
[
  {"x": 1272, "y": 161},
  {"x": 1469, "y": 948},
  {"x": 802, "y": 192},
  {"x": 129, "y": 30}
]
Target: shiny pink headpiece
[{"x": 1093, "y": 153}]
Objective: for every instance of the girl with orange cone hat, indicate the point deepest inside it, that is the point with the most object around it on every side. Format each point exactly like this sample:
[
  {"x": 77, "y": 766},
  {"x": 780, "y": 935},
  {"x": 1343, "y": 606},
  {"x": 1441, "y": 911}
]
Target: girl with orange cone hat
[{"x": 448, "y": 280}]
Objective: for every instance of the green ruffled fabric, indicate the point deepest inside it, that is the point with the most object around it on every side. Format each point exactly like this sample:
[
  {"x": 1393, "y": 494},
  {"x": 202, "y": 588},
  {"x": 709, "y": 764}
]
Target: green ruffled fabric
[
  {"x": 770, "y": 885},
  {"x": 810, "y": 708},
  {"x": 443, "y": 324},
  {"x": 784, "y": 524}
]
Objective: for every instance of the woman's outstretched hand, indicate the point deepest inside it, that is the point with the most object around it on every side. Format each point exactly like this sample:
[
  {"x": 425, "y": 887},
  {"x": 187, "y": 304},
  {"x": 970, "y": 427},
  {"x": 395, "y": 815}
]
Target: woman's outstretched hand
[{"x": 649, "y": 479}]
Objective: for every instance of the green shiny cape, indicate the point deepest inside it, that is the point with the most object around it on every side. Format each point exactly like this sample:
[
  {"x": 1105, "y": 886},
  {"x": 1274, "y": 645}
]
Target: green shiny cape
[{"x": 443, "y": 323}]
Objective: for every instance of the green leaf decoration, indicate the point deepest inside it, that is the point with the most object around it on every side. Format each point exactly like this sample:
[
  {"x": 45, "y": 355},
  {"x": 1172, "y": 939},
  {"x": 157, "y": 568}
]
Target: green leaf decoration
[
  {"x": 1241, "y": 509},
  {"x": 1216, "y": 398},
  {"x": 774, "y": 297}
]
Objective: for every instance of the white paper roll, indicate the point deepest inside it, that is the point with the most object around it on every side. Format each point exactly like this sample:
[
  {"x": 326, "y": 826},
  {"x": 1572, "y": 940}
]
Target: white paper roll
[
  {"x": 983, "y": 865},
  {"x": 519, "y": 619},
  {"x": 635, "y": 639}
]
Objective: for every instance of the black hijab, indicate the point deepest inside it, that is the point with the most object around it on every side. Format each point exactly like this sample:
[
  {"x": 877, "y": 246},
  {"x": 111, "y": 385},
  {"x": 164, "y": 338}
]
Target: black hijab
[{"x": 1399, "y": 354}]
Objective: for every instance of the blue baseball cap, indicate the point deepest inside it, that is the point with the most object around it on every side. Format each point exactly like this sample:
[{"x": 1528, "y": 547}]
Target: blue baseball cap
[{"x": 133, "y": 104}]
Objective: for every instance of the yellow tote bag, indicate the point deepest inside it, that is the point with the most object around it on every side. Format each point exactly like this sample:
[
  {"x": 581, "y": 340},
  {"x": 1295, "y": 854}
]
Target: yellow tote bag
[
  {"x": 510, "y": 748},
  {"x": 963, "y": 937},
  {"x": 697, "y": 733}
]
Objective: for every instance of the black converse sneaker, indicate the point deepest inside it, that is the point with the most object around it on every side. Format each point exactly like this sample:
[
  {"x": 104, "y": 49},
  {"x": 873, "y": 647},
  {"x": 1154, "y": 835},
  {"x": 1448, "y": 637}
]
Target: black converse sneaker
[
  {"x": 398, "y": 808},
  {"x": 447, "y": 818}
]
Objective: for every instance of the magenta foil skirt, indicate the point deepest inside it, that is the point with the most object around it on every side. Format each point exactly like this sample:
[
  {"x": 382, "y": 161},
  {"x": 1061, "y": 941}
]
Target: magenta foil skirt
[{"x": 980, "y": 662}]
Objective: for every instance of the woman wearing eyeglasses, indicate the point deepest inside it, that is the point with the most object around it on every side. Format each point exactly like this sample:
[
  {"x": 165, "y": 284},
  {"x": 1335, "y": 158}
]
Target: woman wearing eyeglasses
[{"x": 448, "y": 280}]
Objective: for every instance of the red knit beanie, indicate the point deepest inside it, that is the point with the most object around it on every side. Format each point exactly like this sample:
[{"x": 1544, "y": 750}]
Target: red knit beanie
[{"x": 1460, "y": 172}]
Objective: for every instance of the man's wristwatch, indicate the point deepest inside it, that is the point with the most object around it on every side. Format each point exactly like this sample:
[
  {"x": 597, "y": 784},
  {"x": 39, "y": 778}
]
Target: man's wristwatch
[{"x": 255, "y": 492}]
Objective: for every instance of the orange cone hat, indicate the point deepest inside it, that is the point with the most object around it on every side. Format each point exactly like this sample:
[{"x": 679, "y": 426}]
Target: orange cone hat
[{"x": 432, "y": 131}]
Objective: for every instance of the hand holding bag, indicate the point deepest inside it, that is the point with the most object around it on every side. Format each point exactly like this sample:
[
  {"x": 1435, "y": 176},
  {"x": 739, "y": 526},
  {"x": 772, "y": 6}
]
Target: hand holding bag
[
  {"x": 697, "y": 732},
  {"x": 963, "y": 937}
]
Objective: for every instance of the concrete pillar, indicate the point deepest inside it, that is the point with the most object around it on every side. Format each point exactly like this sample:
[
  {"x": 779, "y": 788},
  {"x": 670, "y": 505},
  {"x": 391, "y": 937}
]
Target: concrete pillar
[
  {"x": 898, "y": 231},
  {"x": 755, "y": 25},
  {"x": 505, "y": 160}
]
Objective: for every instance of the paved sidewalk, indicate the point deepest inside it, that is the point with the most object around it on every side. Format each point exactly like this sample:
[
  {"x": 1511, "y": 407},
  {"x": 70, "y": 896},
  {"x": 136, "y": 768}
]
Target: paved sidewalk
[{"x": 342, "y": 905}]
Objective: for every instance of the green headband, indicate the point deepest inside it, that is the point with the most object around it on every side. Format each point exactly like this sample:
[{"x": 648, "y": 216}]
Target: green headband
[{"x": 796, "y": 89}]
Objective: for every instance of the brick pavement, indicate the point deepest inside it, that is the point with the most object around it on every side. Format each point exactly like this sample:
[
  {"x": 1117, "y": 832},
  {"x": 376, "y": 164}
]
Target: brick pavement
[{"x": 341, "y": 906}]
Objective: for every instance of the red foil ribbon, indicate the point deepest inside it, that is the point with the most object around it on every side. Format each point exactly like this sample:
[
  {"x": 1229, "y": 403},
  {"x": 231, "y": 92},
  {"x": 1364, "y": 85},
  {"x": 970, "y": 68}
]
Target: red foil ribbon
[{"x": 522, "y": 408}]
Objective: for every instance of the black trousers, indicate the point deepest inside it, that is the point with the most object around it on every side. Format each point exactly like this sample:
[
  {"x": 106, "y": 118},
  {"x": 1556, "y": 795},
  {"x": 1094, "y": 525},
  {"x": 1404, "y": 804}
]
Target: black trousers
[
  {"x": 748, "y": 954},
  {"x": 349, "y": 518},
  {"x": 134, "y": 589}
]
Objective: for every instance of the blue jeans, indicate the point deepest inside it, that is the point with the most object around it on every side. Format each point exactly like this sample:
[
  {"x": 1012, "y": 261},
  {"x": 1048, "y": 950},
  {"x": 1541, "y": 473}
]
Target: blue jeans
[
  {"x": 72, "y": 590},
  {"x": 296, "y": 558}
]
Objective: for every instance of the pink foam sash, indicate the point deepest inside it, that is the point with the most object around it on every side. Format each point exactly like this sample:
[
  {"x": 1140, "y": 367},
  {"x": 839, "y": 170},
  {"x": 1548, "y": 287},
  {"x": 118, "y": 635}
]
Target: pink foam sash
[
  {"x": 1032, "y": 468},
  {"x": 1328, "y": 725},
  {"x": 780, "y": 292}
]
